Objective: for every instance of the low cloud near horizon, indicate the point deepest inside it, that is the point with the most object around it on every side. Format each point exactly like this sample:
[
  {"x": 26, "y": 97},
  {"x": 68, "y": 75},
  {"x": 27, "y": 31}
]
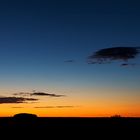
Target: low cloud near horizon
[
  {"x": 17, "y": 107},
  {"x": 7, "y": 100},
  {"x": 54, "y": 106},
  {"x": 37, "y": 94}
]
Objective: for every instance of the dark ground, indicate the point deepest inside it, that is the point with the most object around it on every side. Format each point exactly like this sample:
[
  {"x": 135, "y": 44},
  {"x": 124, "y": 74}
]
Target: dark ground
[{"x": 71, "y": 127}]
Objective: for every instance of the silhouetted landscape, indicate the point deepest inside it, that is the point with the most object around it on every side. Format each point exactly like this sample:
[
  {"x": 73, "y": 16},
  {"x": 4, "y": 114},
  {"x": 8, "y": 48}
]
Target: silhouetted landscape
[{"x": 70, "y": 125}]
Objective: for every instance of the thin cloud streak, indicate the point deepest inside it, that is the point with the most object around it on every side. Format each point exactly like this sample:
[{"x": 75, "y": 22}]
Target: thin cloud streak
[
  {"x": 69, "y": 61},
  {"x": 37, "y": 94},
  {"x": 17, "y": 107},
  {"x": 54, "y": 106},
  {"x": 45, "y": 94},
  {"x": 7, "y": 100}
]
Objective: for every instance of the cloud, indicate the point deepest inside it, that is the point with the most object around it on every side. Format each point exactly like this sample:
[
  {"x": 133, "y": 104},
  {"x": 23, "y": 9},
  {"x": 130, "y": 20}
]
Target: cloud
[
  {"x": 22, "y": 94},
  {"x": 128, "y": 64},
  {"x": 69, "y": 61},
  {"x": 45, "y": 94},
  {"x": 44, "y": 107},
  {"x": 64, "y": 106},
  {"x": 116, "y": 53},
  {"x": 54, "y": 107},
  {"x": 7, "y": 100},
  {"x": 17, "y": 107},
  {"x": 124, "y": 64},
  {"x": 37, "y": 94}
]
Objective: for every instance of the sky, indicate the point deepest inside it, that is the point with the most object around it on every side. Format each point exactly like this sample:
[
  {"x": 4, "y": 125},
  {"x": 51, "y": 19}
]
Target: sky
[{"x": 44, "y": 46}]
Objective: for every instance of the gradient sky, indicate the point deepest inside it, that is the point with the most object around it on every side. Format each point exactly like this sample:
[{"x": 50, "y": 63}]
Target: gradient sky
[{"x": 44, "y": 45}]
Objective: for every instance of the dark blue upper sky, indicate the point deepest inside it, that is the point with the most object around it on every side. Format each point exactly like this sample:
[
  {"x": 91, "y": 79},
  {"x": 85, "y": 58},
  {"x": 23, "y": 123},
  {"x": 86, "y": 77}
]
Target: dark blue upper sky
[
  {"x": 44, "y": 46},
  {"x": 37, "y": 36}
]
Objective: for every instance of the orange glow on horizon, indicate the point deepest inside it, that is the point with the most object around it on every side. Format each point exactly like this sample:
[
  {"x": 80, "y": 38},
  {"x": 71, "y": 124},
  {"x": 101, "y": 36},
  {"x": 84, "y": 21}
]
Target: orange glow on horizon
[
  {"x": 97, "y": 103},
  {"x": 69, "y": 112}
]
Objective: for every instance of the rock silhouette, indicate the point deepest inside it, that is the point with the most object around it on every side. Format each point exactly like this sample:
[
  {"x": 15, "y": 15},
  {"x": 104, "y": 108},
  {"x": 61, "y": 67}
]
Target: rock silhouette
[
  {"x": 24, "y": 119},
  {"x": 25, "y": 116}
]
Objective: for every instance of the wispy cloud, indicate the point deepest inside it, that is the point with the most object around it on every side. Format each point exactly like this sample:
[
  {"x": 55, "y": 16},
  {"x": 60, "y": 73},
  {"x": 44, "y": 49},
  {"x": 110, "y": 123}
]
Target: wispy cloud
[
  {"x": 54, "y": 106},
  {"x": 7, "y": 100},
  {"x": 45, "y": 94},
  {"x": 22, "y": 94},
  {"x": 17, "y": 107},
  {"x": 37, "y": 94},
  {"x": 65, "y": 106},
  {"x": 69, "y": 61},
  {"x": 129, "y": 64},
  {"x": 44, "y": 107}
]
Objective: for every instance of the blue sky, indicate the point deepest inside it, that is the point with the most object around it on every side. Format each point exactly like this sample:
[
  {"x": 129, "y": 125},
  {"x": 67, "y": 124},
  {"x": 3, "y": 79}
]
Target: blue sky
[{"x": 38, "y": 36}]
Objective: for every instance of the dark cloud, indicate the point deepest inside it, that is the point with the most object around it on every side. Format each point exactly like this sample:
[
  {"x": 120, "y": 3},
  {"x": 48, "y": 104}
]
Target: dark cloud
[
  {"x": 124, "y": 64},
  {"x": 44, "y": 107},
  {"x": 127, "y": 64},
  {"x": 54, "y": 107},
  {"x": 7, "y": 100},
  {"x": 116, "y": 53},
  {"x": 64, "y": 106},
  {"x": 69, "y": 61},
  {"x": 37, "y": 94},
  {"x": 17, "y": 107},
  {"x": 45, "y": 94}
]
